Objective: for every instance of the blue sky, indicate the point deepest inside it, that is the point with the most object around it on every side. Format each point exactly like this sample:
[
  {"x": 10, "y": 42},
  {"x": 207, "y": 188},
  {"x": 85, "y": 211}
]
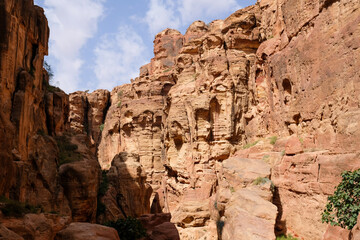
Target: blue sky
[{"x": 102, "y": 43}]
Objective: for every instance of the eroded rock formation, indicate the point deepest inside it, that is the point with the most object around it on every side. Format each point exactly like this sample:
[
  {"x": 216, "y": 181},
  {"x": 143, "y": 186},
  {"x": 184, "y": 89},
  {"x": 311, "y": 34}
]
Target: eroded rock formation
[
  {"x": 44, "y": 169},
  {"x": 239, "y": 123},
  {"x": 267, "y": 71}
]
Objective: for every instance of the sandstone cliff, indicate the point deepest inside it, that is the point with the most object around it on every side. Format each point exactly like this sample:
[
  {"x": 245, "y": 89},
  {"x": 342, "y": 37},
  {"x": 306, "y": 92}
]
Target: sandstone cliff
[
  {"x": 53, "y": 172},
  {"x": 279, "y": 78},
  {"x": 236, "y": 124}
]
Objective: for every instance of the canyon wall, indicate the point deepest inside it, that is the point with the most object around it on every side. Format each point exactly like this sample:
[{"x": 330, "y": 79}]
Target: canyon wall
[
  {"x": 45, "y": 170},
  {"x": 239, "y": 123},
  {"x": 276, "y": 82}
]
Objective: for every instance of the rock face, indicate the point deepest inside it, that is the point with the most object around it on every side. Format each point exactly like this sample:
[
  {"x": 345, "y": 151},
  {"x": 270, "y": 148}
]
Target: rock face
[
  {"x": 32, "y": 226},
  {"x": 239, "y": 123},
  {"x": 79, "y": 231},
  {"x": 88, "y": 111},
  {"x": 22, "y": 47},
  {"x": 37, "y": 167},
  {"x": 128, "y": 194},
  {"x": 243, "y": 82}
]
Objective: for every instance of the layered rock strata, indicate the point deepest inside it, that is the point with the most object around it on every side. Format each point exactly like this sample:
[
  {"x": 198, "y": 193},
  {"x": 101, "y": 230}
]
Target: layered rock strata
[
  {"x": 250, "y": 79},
  {"x": 252, "y": 117},
  {"x": 44, "y": 169}
]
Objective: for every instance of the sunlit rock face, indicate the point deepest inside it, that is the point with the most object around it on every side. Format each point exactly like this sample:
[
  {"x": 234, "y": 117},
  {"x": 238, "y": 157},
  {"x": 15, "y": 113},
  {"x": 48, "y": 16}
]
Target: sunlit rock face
[
  {"x": 33, "y": 126},
  {"x": 30, "y": 113},
  {"x": 260, "y": 73},
  {"x": 253, "y": 117}
]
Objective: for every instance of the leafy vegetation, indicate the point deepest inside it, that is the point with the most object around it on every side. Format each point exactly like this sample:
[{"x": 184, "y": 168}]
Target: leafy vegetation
[
  {"x": 282, "y": 153},
  {"x": 67, "y": 150},
  {"x": 128, "y": 229},
  {"x": 249, "y": 145},
  {"x": 49, "y": 85},
  {"x": 260, "y": 181},
  {"x": 49, "y": 70},
  {"x": 343, "y": 206},
  {"x": 273, "y": 140},
  {"x": 288, "y": 237},
  {"x": 119, "y": 94},
  {"x": 12, "y": 208},
  {"x": 101, "y": 127}
]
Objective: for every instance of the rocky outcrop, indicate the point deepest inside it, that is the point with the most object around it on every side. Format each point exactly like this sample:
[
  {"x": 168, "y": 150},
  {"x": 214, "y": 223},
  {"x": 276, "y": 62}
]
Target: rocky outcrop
[
  {"x": 38, "y": 167},
  {"x": 33, "y": 226},
  {"x": 80, "y": 179},
  {"x": 253, "y": 117},
  {"x": 249, "y": 81},
  {"x": 310, "y": 87},
  {"x": 87, "y": 112},
  {"x": 128, "y": 194},
  {"x": 159, "y": 227},
  {"x": 79, "y": 231},
  {"x": 22, "y": 47}
]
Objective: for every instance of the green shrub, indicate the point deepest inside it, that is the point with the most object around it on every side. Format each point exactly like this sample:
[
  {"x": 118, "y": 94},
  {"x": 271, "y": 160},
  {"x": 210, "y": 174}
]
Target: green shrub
[
  {"x": 51, "y": 88},
  {"x": 128, "y": 229},
  {"x": 101, "y": 127},
  {"x": 119, "y": 104},
  {"x": 119, "y": 94},
  {"x": 12, "y": 208},
  {"x": 273, "y": 140},
  {"x": 67, "y": 150},
  {"x": 343, "y": 206},
  {"x": 249, "y": 145},
  {"x": 288, "y": 237},
  {"x": 260, "y": 181}
]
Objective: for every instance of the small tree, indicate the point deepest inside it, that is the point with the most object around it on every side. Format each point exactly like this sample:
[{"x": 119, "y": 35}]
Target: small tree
[
  {"x": 343, "y": 206},
  {"x": 49, "y": 70}
]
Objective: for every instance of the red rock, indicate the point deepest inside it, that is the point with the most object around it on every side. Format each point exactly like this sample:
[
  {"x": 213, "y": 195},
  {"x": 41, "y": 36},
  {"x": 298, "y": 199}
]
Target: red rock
[
  {"x": 80, "y": 231},
  {"x": 293, "y": 146},
  {"x": 335, "y": 232}
]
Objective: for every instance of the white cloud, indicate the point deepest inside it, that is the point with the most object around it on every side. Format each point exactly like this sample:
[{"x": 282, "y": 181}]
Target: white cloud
[
  {"x": 118, "y": 57},
  {"x": 177, "y": 14},
  {"x": 161, "y": 13},
  {"x": 72, "y": 23},
  {"x": 192, "y": 10}
]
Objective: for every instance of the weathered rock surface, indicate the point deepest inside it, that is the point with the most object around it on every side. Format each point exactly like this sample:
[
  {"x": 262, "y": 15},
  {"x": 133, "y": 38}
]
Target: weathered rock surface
[
  {"x": 87, "y": 112},
  {"x": 33, "y": 226},
  {"x": 271, "y": 92},
  {"x": 33, "y": 116},
  {"x": 128, "y": 194},
  {"x": 245, "y": 79},
  {"x": 5, "y": 233},
  {"x": 159, "y": 227},
  {"x": 80, "y": 180},
  {"x": 80, "y": 231},
  {"x": 22, "y": 114}
]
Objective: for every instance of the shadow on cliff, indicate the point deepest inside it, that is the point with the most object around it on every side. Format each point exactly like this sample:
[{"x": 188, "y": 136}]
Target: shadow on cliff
[
  {"x": 128, "y": 194},
  {"x": 280, "y": 225}
]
